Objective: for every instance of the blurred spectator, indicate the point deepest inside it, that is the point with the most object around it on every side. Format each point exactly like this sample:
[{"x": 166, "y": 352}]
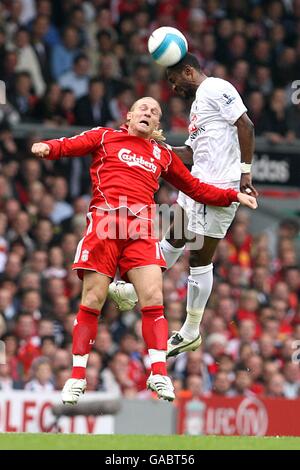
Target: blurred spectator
[
  {"x": 256, "y": 111},
  {"x": 28, "y": 61},
  {"x": 41, "y": 43},
  {"x": 56, "y": 264},
  {"x": 8, "y": 69},
  {"x": 121, "y": 104},
  {"x": 222, "y": 385},
  {"x": 92, "y": 378},
  {"x": 41, "y": 376},
  {"x": 61, "y": 376},
  {"x": 277, "y": 130},
  {"x": 242, "y": 383},
  {"x": 3, "y": 241},
  {"x": 22, "y": 98},
  {"x": 110, "y": 73},
  {"x": 263, "y": 80},
  {"x": 47, "y": 108},
  {"x": 7, "y": 306},
  {"x": 44, "y": 10},
  {"x": 61, "y": 360},
  {"x": 29, "y": 342},
  {"x": 63, "y": 55},
  {"x": 291, "y": 373},
  {"x": 239, "y": 76},
  {"x": 48, "y": 346},
  {"x": 177, "y": 118},
  {"x": 6, "y": 382},
  {"x": 76, "y": 19},
  {"x": 77, "y": 79},
  {"x": 115, "y": 378},
  {"x": 92, "y": 110},
  {"x": 275, "y": 386},
  {"x": 62, "y": 210},
  {"x": 66, "y": 109},
  {"x": 246, "y": 335},
  {"x": 194, "y": 386}
]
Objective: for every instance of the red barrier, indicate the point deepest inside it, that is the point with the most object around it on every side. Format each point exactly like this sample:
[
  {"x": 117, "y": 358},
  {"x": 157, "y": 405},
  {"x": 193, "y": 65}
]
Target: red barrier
[{"x": 242, "y": 416}]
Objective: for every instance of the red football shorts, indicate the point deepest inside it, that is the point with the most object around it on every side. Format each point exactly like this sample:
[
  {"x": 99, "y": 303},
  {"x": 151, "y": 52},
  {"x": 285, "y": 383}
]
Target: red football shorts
[{"x": 117, "y": 239}]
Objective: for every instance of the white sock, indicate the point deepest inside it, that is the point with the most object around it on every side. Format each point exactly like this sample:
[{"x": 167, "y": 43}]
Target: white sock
[
  {"x": 80, "y": 361},
  {"x": 156, "y": 355},
  {"x": 158, "y": 361},
  {"x": 200, "y": 284},
  {"x": 171, "y": 254}
]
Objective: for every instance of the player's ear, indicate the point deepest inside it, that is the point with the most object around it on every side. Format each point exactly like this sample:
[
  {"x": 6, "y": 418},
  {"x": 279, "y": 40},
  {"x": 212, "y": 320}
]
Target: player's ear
[
  {"x": 188, "y": 71},
  {"x": 129, "y": 116}
]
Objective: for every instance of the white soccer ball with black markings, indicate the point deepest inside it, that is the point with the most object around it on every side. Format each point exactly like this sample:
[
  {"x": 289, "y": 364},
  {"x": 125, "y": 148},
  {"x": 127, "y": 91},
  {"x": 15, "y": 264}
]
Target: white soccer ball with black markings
[{"x": 167, "y": 46}]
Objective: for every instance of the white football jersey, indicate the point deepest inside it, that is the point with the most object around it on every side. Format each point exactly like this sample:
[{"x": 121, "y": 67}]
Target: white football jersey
[{"x": 212, "y": 134}]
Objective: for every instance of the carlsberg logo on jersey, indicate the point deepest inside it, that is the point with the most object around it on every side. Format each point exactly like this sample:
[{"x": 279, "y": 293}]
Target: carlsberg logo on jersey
[{"x": 127, "y": 156}]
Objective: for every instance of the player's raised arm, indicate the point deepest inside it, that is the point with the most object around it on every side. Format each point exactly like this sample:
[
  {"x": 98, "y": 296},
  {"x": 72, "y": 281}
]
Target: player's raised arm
[
  {"x": 245, "y": 129},
  {"x": 178, "y": 175},
  {"x": 79, "y": 145}
]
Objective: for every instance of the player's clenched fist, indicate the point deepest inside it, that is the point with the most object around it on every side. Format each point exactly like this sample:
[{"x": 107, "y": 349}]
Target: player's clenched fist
[
  {"x": 247, "y": 200},
  {"x": 40, "y": 149}
]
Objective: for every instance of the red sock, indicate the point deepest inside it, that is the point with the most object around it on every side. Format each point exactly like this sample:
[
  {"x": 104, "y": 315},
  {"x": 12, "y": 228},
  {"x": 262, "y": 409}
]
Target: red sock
[
  {"x": 84, "y": 335},
  {"x": 155, "y": 334},
  {"x": 159, "y": 368}
]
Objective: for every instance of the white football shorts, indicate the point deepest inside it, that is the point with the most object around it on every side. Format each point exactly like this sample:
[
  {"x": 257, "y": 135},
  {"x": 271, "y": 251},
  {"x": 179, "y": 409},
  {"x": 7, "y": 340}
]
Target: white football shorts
[{"x": 210, "y": 221}]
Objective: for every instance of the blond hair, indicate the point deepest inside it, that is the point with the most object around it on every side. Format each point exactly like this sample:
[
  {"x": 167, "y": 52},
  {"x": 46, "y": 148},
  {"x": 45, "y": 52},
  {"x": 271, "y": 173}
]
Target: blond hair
[{"x": 157, "y": 134}]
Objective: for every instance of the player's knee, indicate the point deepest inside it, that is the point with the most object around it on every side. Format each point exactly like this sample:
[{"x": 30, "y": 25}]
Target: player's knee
[
  {"x": 199, "y": 259},
  {"x": 93, "y": 297},
  {"x": 151, "y": 296}
]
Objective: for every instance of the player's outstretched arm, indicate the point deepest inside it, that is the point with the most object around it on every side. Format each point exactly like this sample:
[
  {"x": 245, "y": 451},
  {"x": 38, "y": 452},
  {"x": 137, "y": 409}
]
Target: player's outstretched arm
[
  {"x": 245, "y": 129},
  {"x": 178, "y": 175},
  {"x": 78, "y": 146}
]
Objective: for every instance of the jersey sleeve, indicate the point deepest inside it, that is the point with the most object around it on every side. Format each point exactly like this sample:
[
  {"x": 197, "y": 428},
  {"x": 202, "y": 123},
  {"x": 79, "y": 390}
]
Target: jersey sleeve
[
  {"x": 78, "y": 145},
  {"x": 229, "y": 102},
  {"x": 179, "y": 176}
]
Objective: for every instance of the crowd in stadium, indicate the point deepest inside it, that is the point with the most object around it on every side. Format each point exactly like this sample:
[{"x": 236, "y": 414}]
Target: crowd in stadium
[{"x": 84, "y": 63}]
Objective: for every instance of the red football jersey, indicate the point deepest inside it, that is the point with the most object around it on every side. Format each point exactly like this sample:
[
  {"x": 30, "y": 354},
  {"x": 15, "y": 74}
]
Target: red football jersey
[{"x": 125, "y": 170}]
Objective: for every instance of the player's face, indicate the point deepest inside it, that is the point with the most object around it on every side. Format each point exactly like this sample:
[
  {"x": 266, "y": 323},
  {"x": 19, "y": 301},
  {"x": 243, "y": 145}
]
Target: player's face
[
  {"x": 182, "y": 83},
  {"x": 144, "y": 118}
]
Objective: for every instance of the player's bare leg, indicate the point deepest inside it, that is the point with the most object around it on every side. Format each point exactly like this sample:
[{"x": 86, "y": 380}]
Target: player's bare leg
[
  {"x": 94, "y": 293},
  {"x": 147, "y": 282}
]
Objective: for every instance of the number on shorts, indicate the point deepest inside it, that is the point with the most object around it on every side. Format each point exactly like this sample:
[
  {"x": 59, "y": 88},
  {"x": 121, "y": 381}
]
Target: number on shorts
[{"x": 158, "y": 251}]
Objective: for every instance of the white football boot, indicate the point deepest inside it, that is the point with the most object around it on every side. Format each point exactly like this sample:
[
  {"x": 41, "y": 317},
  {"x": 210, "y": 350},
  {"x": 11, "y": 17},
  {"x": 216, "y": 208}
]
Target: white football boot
[
  {"x": 177, "y": 344},
  {"x": 123, "y": 294},
  {"x": 162, "y": 385},
  {"x": 72, "y": 390}
]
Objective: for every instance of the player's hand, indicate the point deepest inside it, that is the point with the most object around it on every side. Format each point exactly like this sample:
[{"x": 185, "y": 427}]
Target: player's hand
[
  {"x": 247, "y": 200},
  {"x": 40, "y": 149},
  {"x": 246, "y": 185}
]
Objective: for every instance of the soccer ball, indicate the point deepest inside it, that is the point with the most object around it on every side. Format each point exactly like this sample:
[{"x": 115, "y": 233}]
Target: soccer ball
[{"x": 167, "y": 46}]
